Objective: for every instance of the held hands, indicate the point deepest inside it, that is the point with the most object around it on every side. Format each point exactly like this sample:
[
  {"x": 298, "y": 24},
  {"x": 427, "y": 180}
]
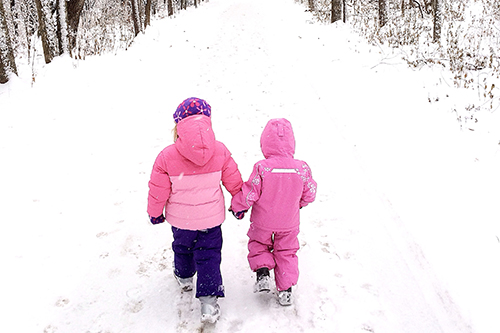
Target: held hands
[
  {"x": 157, "y": 220},
  {"x": 238, "y": 215}
]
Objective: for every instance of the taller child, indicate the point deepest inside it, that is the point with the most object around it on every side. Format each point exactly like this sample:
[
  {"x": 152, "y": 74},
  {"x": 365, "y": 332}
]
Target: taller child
[
  {"x": 278, "y": 187},
  {"x": 185, "y": 185}
]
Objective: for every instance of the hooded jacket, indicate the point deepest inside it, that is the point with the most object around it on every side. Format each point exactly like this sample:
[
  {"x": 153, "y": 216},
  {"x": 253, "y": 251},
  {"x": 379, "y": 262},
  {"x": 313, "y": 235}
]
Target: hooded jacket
[
  {"x": 186, "y": 177},
  {"x": 279, "y": 185}
]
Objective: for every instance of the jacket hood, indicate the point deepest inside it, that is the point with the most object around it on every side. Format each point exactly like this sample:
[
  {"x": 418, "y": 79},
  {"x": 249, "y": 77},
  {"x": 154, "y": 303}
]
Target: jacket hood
[
  {"x": 196, "y": 140},
  {"x": 277, "y": 139}
]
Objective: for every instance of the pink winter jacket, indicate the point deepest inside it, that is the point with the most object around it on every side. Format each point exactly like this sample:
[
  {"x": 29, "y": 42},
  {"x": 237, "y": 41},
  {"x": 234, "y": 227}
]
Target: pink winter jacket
[
  {"x": 279, "y": 185},
  {"x": 186, "y": 177}
]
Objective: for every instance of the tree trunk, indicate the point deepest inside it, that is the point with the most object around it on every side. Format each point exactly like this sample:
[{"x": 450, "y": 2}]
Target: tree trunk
[
  {"x": 4, "y": 78},
  {"x": 7, "y": 58},
  {"x": 170, "y": 8},
  {"x": 135, "y": 17},
  {"x": 74, "y": 10},
  {"x": 436, "y": 36},
  {"x": 382, "y": 13},
  {"x": 61, "y": 26},
  {"x": 8, "y": 52},
  {"x": 344, "y": 11},
  {"x": 22, "y": 25},
  {"x": 336, "y": 11},
  {"x": 147, "y": 14},
  {"x": 42, "y": 30}
]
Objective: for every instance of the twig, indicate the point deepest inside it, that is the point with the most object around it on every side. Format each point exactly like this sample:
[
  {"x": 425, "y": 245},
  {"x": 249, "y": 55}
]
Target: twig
[{"x": 419, "y": 7}]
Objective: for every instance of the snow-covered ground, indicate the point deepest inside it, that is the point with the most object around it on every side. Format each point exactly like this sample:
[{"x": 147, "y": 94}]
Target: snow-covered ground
[{"x": 403, "y": 236}]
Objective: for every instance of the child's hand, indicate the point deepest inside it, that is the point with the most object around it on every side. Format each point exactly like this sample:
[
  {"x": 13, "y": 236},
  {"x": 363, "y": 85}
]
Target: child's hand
[
  {"x": 238, "y": 215},
  {"x": 157, "y": 220}
]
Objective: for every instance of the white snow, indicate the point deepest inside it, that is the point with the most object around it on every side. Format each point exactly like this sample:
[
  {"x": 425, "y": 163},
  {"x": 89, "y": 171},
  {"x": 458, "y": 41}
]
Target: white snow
[{"x": 404, "y": 233}]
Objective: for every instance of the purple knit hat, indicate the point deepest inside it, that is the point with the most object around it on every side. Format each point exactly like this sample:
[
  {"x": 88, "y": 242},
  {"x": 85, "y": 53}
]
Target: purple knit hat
[{"x": 192, "y": 106}]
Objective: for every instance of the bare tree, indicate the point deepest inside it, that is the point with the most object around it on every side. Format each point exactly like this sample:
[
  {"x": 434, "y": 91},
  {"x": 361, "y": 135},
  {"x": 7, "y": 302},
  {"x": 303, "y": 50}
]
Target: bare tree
[
  {"x": 4, "y": 78},
  {"x": 344, "y": 11},
  {"x": 74, "y": 10},
  {"x": 22, "y": 26},
  {"x": 7, "y": 59},
  {"x": 62, "y": 26},
  {"x": 336, "y": 11},
  {"x": 382, "y": 12},
  {"x": 48, "y": 51},
  {"x": 170, "y": 8},
  {"x": 136, "y": 19},
  {"x": 147, "y": 14},
  {"x": 436, "y": 6}
]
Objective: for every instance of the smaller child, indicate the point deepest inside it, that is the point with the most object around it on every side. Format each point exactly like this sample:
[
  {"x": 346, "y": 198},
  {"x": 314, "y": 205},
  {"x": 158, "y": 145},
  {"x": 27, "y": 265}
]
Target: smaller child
[{"x": 278, "y": 187}]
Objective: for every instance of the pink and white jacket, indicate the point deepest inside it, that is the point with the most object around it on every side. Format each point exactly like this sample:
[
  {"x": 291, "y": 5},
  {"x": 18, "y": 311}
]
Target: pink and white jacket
[
  {"x": 186, "y": 177},
  {"x": 279, "y": 185}
]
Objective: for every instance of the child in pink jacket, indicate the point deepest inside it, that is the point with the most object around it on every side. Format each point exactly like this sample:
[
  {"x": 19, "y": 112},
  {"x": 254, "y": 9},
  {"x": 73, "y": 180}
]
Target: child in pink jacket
[
  {"x": 278, "y": 187},
  {"x": 185, "y": 185}
]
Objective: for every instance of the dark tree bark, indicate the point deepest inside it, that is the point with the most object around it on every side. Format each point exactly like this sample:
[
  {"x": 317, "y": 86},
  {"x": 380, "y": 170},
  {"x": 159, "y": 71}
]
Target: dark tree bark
[
  {"x": 60, "y": 36},
  {"x": 436, "y": 36},
  {"x": 336, "y": 11},
  {"x": 7, "y": 58},
  {"x": 4, "y": 78},
  {"x": 135, "y": 17},
  {"x": 42, "y": 30},
  {"x": 382, "y": 13},
  {"x": 170, "y": 8},
  {"x": 147, "y": 14},
  {"x": 74, "y": 10},
  {"x": 344, "y": 11}
]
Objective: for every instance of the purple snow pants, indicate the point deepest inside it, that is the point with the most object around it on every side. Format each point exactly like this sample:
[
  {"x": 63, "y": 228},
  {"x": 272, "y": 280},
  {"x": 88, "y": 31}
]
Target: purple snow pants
[{"x": 199, "y": 252}]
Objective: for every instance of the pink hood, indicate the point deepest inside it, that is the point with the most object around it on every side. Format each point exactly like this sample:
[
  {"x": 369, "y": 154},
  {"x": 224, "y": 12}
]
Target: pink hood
[
  {"x": 186, "y": 177},
  {"x": 279, "y": 185},
  {"x": 196, "y": 140},
  {"x": 277, "y": 139}
]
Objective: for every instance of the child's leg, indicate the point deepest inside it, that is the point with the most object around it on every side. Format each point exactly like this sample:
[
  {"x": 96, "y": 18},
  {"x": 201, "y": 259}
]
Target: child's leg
[
  {"x": 183, "y": 246},
  {"x": 260, "y": 244},
  {"x": 286, "y": 271},
  {"x": 207, "y": 256}
]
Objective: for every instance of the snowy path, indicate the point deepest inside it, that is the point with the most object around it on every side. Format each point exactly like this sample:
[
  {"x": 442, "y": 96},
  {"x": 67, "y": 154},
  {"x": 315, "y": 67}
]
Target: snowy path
[{"x": 84, "y": 258}]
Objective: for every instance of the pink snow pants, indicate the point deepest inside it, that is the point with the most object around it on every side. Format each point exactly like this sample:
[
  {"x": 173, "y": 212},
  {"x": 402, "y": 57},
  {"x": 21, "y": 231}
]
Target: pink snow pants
[{"x": 275, "y": 250}]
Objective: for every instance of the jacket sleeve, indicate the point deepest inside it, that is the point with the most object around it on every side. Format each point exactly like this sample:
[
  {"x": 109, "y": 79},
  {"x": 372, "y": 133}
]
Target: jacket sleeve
[
  {"x": 309, "y": 189},
  {"x": 250, "y": 192},
  {"x": 159, "y": 188},
  {"x": 231, "y": 176}
]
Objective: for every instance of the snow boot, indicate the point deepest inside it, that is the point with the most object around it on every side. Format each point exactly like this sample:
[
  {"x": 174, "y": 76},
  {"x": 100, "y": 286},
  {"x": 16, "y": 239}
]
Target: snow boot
[
  {"x": 185, "y": 283},
  {"x": 263, "y": 280},
  {"x": 285, "y": 297},
  {"x": 210, "y": 309}
]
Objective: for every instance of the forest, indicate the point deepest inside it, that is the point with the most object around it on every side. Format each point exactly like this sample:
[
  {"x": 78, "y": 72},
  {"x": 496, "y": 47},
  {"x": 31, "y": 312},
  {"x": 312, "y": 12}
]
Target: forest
[{"x": 460, "y": 35}]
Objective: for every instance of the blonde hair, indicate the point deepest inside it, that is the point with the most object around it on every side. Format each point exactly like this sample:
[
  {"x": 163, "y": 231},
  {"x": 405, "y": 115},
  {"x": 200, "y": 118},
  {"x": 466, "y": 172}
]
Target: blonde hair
[{"x": 174, "y": 131}]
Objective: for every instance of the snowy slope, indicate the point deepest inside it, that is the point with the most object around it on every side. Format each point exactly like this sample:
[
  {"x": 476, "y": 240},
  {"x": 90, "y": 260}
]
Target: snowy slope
[{"x": 403, "y": 236}]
